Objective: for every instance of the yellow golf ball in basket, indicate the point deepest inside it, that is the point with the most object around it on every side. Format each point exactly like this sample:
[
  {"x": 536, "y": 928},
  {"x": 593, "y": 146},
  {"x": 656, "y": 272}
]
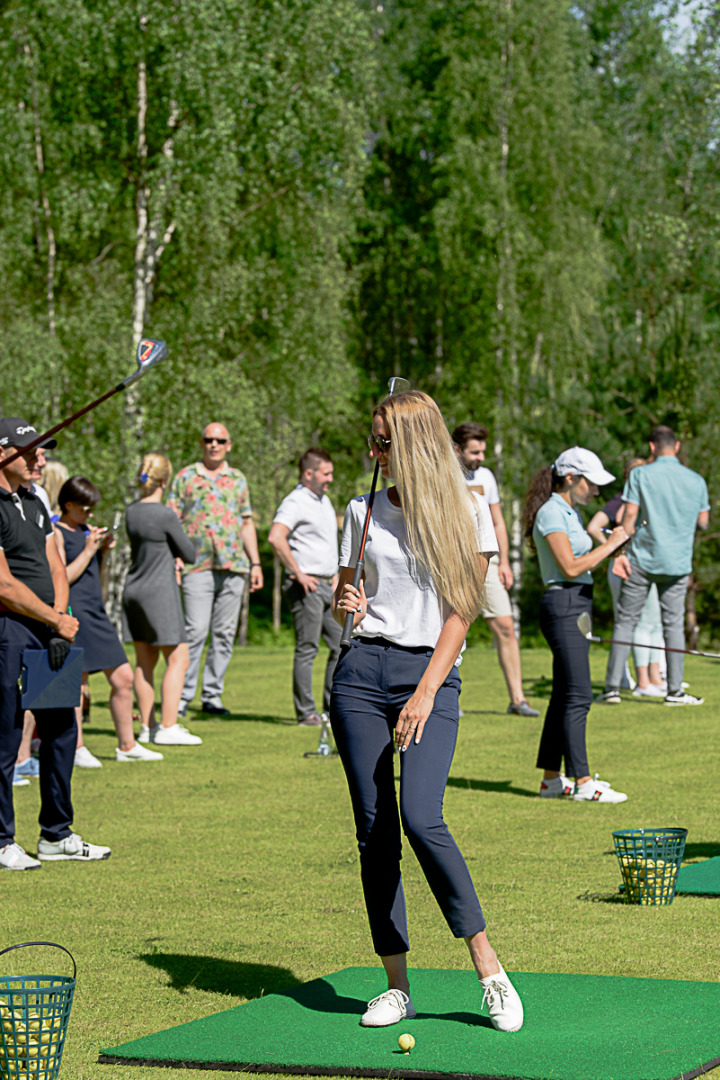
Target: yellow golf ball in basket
[{"x": 406, "y": 1043}]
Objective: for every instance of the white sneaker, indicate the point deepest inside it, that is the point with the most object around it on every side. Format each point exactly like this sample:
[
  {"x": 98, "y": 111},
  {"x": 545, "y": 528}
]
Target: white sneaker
[
  {"x": 20, "y": 781},
  {"x": 85, "y": 760},
  {"x": 13, "y": 857},
  {"x": 652, "y": 690},
  {"x": 680, "y": 697},
  {"x": 137, "y": 753},
  {"x": 557, "y": 788},
  {"x": 144, "y": 735},
  {"x": 71, "y": 847},
  {"x": 175, "y": 735},
  {"x": 388, "y": 1008},
  {"x": 503, "y": 1002},
  {"x": 597, "y": 791},
  {"x": 608, "y": 697}
]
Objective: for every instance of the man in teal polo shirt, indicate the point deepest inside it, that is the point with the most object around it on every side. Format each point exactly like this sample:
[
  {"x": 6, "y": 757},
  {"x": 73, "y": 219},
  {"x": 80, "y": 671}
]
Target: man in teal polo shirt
[{"x": 664, "y": 504}]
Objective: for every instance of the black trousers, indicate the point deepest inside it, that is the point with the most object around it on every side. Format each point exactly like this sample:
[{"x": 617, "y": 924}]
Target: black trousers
[
  {"x": 373, "y": 681},
  {"x": 57, "y": 729},
  {"x": 563, "y": 734}
]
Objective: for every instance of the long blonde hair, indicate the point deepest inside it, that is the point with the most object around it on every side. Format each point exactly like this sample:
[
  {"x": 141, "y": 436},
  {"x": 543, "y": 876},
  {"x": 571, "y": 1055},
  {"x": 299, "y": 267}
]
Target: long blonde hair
[
  {"x": 53, "y": 477},
  {"x": 155, "y": 471},
  {"x": 437, "y": 505}
]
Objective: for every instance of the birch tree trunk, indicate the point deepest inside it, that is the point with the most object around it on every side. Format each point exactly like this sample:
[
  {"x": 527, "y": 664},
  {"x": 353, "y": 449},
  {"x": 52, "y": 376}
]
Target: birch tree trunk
[
  {"x": 508, "y": 410},
  {"x": 49, "y": 230},
  {"x": 147, "y": 255}
]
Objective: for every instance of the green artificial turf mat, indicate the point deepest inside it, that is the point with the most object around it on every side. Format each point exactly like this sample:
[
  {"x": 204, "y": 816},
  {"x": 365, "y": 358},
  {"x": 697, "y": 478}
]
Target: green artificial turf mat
[
  {"x": 702, "y": 878},
  {"x": 577, "y": 1027}
]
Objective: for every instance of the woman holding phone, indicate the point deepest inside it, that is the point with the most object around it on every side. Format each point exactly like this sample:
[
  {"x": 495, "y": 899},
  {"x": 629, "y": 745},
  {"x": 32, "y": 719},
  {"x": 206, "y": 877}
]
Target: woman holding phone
[
  {"x": 397, "y": 686},
  {"x": 566, "y": 555}
]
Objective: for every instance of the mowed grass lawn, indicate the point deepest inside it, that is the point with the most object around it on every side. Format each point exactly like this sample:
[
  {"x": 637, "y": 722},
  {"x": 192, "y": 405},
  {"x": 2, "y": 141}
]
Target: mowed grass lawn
[{"x": 234, "y": 869}]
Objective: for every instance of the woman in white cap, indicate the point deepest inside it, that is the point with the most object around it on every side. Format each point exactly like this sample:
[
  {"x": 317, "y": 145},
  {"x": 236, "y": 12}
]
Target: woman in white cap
[{"x": 566, "y": 556}]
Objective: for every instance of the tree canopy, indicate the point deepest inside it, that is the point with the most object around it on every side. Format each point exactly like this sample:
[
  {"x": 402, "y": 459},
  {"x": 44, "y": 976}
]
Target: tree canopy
[{"x": 513, "y": 204}]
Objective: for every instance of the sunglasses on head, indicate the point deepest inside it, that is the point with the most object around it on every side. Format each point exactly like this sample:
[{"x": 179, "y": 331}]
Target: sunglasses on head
[
  {"x": 383, "y": 445},
  {"x": 209, "y": 441}
]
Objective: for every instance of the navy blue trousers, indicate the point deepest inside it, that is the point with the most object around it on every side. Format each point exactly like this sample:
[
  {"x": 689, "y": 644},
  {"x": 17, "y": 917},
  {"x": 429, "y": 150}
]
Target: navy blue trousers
[
  {"x": 57, "y": 730},
  {"x": 373, "y": 681},
  {"x": 563, "y": 734}
]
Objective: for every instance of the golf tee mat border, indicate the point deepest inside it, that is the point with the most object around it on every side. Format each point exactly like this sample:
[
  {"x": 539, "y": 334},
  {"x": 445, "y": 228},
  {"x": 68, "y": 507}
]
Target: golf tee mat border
[{"x": 577, "y": 1027}]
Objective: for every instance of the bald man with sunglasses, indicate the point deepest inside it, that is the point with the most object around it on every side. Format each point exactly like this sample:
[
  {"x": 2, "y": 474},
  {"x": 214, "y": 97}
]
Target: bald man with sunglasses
[{"x": 213, "y": 503}]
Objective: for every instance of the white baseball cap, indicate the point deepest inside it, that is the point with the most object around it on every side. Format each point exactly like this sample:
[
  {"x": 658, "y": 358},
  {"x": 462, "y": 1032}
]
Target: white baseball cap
[{"x": 582, "y": 461}]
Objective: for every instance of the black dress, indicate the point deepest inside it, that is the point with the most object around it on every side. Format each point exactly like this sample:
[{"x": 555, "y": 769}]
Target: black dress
[
  {"x": 152, "y": 610},
  {"x": 96, "y": 634}
]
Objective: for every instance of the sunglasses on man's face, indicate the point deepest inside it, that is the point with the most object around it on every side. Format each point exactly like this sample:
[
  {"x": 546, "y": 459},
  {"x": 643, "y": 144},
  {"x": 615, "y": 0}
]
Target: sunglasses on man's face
[
  {"x": 383, "y": 445},
  {"x": 208, "y": 442}
]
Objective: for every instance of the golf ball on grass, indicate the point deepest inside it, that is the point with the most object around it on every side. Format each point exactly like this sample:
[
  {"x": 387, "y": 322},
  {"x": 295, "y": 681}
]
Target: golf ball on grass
[{"x": 406, "y": 1043}]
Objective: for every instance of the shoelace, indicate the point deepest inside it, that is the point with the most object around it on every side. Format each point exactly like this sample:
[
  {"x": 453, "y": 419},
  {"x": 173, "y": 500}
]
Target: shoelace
[
  {"x": 491, "y": 990},
  {"x": 400, "y": 999}
]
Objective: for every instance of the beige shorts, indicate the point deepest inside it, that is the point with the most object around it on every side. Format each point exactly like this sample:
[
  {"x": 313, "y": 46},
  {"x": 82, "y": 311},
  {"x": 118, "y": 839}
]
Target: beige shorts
[{"x": 497, "y": 598}]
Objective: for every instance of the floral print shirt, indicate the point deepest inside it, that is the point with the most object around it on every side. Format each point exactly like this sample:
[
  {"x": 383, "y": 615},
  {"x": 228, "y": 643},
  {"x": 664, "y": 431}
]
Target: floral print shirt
[{"x": 212, "y": 513}]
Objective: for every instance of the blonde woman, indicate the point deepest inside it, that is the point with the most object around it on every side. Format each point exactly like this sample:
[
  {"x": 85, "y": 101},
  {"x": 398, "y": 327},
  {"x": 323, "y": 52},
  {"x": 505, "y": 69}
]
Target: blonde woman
[
  {"x": 54, "y": 476},
  {"x": 152, "y": 612},
  {"x": 397, "y": 685}
]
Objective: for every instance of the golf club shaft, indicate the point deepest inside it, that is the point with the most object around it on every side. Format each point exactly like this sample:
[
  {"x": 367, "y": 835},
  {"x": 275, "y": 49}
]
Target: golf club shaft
[
  {"x": 62, "y": 424},
  {"x": 359, "y": 565},
  {"x": 658, "y": 648},
  {"x": 149, "y": 353}
]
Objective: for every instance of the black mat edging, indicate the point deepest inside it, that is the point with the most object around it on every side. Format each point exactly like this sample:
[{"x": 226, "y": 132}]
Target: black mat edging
[
  {"x": 700, "y": 1070},
  {"x": 310, "y": 1070}
]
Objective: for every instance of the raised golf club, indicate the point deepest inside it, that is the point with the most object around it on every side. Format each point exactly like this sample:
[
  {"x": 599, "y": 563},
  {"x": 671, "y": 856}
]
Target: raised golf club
[
  {"x": 149, "y": 353},
  {"x": 396, "y": 385},
  {"x": 584, "y": 625}
]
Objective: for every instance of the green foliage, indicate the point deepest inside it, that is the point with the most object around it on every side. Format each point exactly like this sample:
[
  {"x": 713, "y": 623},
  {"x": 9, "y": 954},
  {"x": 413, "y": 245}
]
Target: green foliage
[{"x": 514, "y": 204}]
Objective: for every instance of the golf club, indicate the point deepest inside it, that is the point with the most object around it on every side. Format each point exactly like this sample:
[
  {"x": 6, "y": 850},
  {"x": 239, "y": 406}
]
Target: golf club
[
  {"x": 584, "y": 625},
  {"x": 396, "y": 385},
  {"x": 149, "y": 353}
]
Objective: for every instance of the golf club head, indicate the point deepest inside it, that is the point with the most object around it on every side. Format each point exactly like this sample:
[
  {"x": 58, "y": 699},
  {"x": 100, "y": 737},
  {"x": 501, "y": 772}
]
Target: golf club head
[
  {"x": 584, "y": 625},
  {"x": 149, "y": 353},
  {"x": 398, "y": 385}
]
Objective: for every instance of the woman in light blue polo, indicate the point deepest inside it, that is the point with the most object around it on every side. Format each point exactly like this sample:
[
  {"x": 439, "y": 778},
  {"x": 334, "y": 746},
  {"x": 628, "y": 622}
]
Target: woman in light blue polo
[{"x": 566, "y": 556}]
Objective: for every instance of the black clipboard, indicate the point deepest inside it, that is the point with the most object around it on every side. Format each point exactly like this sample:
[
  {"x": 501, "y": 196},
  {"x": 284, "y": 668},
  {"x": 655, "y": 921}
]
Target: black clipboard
[{"x": 43, "y": 688}]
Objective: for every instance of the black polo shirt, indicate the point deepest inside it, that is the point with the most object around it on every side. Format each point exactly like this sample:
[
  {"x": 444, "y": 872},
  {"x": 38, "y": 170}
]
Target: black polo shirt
[{"x": 24, "y": 529}]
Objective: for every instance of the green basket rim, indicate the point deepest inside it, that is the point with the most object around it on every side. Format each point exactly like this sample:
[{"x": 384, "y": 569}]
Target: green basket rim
[{"x": 672, "y": 833}]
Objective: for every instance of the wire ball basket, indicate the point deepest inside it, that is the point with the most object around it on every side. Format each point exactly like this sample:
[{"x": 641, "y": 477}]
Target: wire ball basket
[
  {"x": 34, "y": 1015},
  {"x": 649, "y": 863}
]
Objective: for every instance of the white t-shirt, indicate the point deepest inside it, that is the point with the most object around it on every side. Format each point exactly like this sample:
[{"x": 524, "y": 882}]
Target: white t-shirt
[
  {"x": 482, "y": 482},
  {"x": 39, "y": 490},
  {"x": 313, "y": 536},
  {"x": 402, "y": 602}
]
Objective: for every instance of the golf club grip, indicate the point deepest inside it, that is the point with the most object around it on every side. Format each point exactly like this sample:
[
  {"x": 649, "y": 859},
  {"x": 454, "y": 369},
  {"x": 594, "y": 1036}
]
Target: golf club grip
[{"x": 350, "y": 615}]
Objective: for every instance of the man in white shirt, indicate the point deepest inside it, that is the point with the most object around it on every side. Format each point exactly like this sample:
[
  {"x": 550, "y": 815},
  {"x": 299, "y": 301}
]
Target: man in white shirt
[
  {"x": 304, "y": 536},
  {"x": 470, "y": 444}
]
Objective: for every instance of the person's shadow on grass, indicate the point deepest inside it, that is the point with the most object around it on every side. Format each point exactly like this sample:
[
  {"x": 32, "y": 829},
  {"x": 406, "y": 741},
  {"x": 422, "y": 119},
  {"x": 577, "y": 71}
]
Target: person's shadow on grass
[
  {"x": 501, "y": 787},
  {"x": 217, "y": 976},
  {"x": 244, "y": 717}
]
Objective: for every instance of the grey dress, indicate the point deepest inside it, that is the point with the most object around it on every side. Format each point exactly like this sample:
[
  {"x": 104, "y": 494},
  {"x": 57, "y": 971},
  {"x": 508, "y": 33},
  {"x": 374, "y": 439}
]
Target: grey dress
[{"x": 152, "y": 611}]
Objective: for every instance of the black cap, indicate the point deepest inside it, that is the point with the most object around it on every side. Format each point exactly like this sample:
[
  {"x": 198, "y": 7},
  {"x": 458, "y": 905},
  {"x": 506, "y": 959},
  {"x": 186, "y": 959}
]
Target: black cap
[{"x": 17, "y": 432}]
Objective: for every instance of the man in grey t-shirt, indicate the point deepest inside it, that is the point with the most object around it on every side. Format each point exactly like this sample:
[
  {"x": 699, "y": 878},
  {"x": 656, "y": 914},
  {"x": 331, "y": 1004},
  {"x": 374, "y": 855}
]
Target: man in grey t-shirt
[{"x": 304, "y": 536}]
